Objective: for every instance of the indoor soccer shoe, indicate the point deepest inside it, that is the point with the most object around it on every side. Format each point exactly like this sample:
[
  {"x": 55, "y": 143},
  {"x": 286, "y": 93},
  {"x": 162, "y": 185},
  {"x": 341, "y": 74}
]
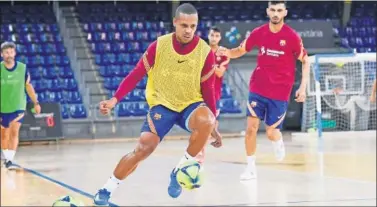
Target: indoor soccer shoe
[
  {"x": 102, "y": 198},
  {"x": 10, "y": 165},
  {"x": 279, "y": 150},
  {"x": 249, "y": 173},
  {"x": 174, "y": 188}
]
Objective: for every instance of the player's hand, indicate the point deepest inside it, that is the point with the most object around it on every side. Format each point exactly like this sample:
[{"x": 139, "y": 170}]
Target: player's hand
[
  {"x": 218, "y": 139},
  {"x": 37, "y": 108},
  {"x": 106, "y": 106},
  {"x": 222, "y": 51},
  {"x": 300, "y": 95},
  {"x": 372, "y": 98}
]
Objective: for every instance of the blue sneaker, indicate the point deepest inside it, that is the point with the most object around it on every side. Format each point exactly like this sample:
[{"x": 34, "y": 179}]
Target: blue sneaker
[
  {"x": 10, "y": 165},
  {"x": 174, "y": 188},
  {"x": 102, "y": 198}
]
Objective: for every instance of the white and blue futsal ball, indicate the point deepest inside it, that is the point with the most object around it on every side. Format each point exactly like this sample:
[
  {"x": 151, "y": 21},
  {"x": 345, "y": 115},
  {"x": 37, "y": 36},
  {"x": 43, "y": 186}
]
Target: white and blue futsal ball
[{"x": 68, "y": 201}]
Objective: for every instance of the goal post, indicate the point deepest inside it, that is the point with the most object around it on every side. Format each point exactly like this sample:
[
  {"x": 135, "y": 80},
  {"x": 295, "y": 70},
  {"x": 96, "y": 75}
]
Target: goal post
[{"x": 338, "y": 93}]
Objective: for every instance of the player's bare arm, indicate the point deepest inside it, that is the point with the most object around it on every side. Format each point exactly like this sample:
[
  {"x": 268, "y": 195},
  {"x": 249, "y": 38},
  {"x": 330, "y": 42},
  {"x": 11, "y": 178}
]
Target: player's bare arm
[
  {"x": 301, "y": 92},
  {"x": 33, "y": 96},
  {"x": 374, "y": 91},
  {"x": 232, "y": 53}
]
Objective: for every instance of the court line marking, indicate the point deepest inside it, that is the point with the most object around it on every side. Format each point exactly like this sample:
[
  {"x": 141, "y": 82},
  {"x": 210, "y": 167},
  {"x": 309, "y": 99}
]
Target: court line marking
[{"x": 76, "y": 190}]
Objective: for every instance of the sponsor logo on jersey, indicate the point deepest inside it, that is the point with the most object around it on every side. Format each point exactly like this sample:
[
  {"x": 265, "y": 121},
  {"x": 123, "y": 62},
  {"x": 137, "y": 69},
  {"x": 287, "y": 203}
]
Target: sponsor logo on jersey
[{"x": 271, "y": 52}]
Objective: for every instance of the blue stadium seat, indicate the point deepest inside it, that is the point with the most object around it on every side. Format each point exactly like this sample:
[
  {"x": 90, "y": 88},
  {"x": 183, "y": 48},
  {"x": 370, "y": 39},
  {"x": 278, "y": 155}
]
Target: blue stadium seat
[
  {"x": 70, "y": 84},
  {"x": 64, "y": 111},
  {"x": 56, "y": 97},
  {"x": 112, "y": 83},
  {"x": 231, "y": 106},
  {"x": 66, "y": 72},
  {"x": 73, "y": 97},
  {"x": 39, "y": 85},
  {"x": 137, "y": 95},
  {"x": 226, "y": 92},
  {"x": 42, "y": 97},
  {"x": 78, "y": 111},
  {"x": 54, "y": 85},
  {"x": 104, "y": 72},
  {"x": 123, "y": 109},
  {"x": 115, "y": 69},
  {"x": 140, "y": 109},
  {"x": 108, "y": 84},
  {"x": 50, "y": 73},
  {"x": 35, "y": 73},
  {"x": 123, "y": 58}
]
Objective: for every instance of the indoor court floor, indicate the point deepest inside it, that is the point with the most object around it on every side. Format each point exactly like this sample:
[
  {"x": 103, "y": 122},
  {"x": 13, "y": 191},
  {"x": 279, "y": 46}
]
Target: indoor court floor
[{"x": 340, "y": 172}]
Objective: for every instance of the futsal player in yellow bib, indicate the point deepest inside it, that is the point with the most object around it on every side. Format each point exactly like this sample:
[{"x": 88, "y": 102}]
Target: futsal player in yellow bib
[{"x": 180, "y": 90}]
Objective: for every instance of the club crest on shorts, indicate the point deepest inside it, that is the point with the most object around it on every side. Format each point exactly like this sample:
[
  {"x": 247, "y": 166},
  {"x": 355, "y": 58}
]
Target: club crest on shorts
[
  {"x": 157, "y": 116},
  {"x": 253, "y": 104},
  {"x": 282, "y": 42}
]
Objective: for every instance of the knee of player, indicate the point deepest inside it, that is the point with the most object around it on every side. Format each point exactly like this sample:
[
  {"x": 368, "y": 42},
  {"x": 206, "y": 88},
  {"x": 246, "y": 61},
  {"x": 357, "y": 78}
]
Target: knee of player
[
  {"x": 204, "y": 118},
  {"x": 144, "y": 150},
  {"x": 271, "y": 132},
  {"x": 252, "y": 128}
]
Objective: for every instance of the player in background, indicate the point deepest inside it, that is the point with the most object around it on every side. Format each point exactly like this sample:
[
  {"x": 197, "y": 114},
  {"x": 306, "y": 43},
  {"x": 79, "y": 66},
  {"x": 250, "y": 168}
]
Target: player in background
[
  {"x": 174, "y": 63},
  {"x": 279, "y": 46},
  {"x": 14, "y": 80},
  {"x": 374, "y": 91},
  {"x": 214, "y": 37}
]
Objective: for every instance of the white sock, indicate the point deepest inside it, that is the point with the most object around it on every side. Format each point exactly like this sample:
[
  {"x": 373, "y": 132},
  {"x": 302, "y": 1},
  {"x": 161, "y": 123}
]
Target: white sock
[
  {"x": 278, "y": 142},
  {"x": 112, "y": 184},
  {"x": 185, "y": 158},
  {"x": 6, "y": 154},
  {"x": 251, "y": 161},
  {"x": 11, "y": 154}
]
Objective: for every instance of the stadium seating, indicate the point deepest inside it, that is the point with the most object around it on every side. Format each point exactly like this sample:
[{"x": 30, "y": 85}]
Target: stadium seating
[
  {"x": 360, "y": 32},
  {"x": 39, "y": 45},
  {"x": 118, "y": 36}
]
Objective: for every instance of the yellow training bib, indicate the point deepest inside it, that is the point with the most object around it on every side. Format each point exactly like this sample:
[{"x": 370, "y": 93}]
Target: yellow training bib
[{"x": 174, "y": 80}]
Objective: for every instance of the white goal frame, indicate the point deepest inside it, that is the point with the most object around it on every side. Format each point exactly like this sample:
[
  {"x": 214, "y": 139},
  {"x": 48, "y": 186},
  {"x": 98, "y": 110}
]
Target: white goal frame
[{"x": 314, "y": 62}]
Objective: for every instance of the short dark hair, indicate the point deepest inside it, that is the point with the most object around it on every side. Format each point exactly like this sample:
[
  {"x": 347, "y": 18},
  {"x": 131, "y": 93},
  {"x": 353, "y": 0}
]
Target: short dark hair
[
  {"x": 185, "y": 8},
  {"x": 277, "y": 2},
  {"x": 6, "y": 45},
  {"x": 215, "y": 29}
]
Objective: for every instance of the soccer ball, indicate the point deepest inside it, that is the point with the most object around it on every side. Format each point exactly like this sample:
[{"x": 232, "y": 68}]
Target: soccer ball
[
  {"x": 189, "y": 175},
  {"x": 67, "y": 201}
]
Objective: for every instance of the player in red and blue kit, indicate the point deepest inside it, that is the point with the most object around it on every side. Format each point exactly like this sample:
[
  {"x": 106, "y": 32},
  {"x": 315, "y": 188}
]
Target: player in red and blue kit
[
  {"x": 221, "y": 65},
  {"x": 271, "y": 83}
]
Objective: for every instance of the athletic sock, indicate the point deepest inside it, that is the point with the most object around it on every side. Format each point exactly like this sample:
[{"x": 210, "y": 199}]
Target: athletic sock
[
  {"x": 6, "y": 154},
  {"x": 185, "y": 158},
  {"x": 11, "y": 154},
  {"x": 112, "y": 184},
  {"x": 277, "y": 142},
  {"x": 251, "y": 162}
]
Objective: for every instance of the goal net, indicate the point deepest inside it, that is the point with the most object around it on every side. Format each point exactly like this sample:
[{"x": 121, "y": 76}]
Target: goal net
[{"x": 338, "y": 94}]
